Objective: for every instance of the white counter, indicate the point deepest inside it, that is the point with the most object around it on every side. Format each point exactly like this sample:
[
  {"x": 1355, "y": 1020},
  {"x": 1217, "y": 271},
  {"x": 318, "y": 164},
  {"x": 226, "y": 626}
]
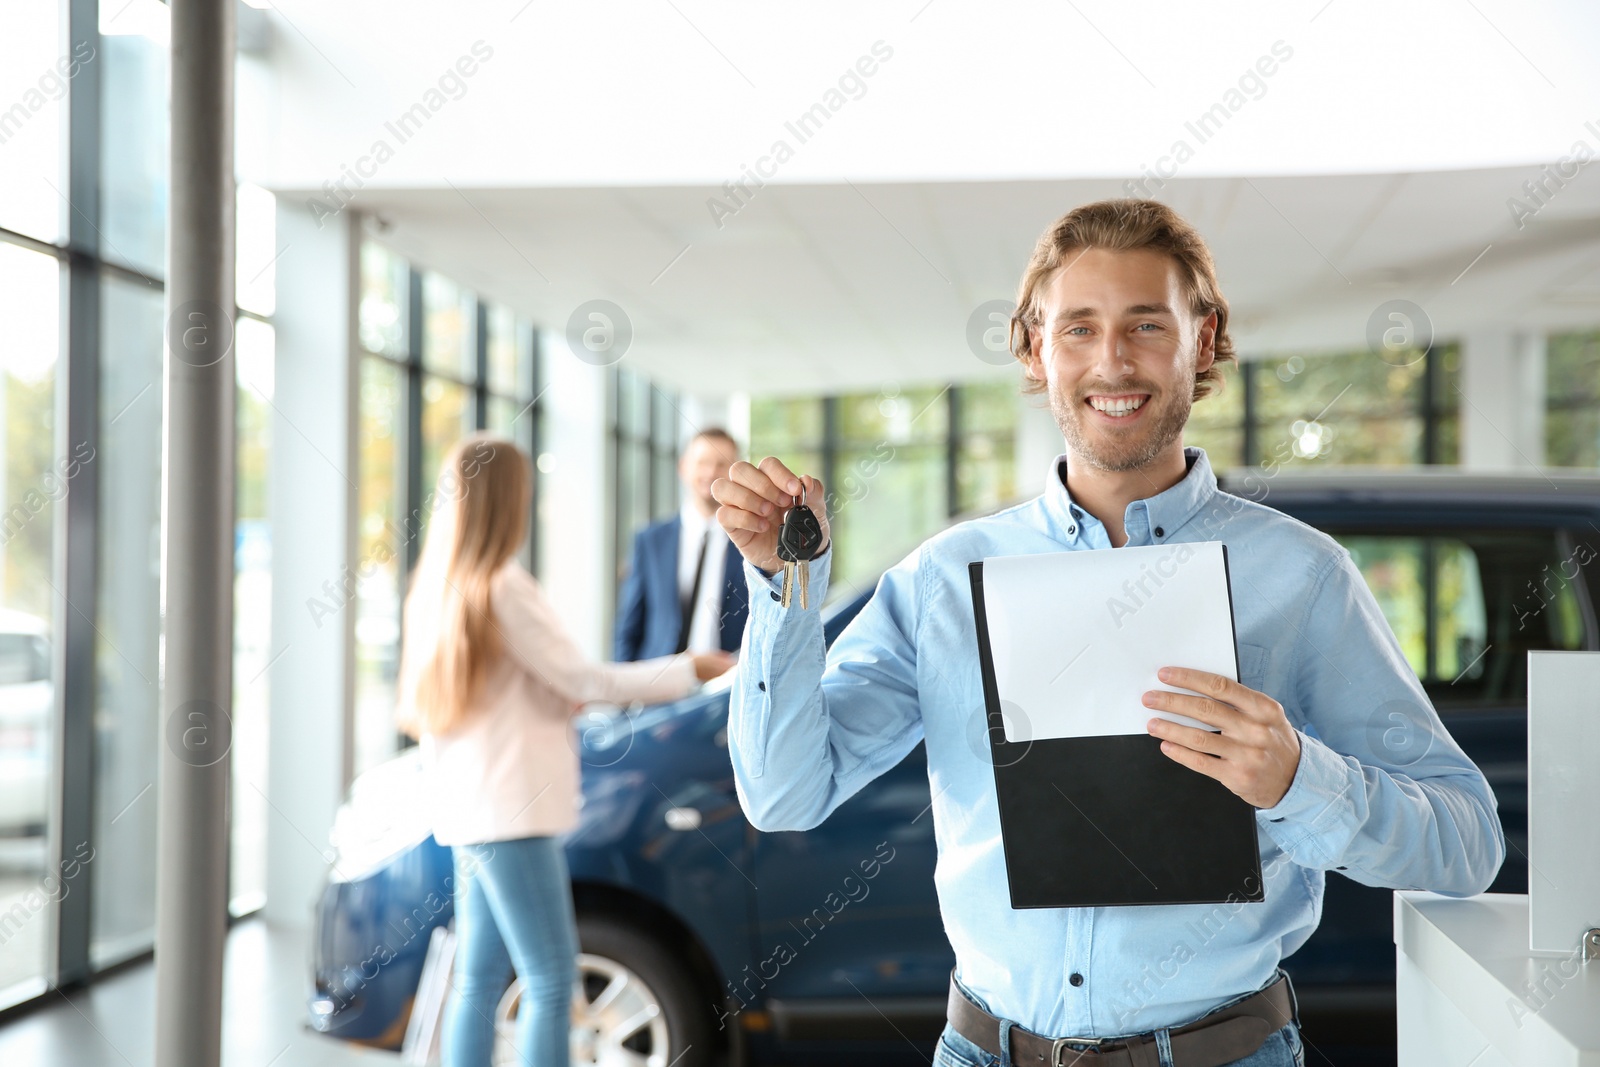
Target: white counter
[{"x": 1470, "y": 994}]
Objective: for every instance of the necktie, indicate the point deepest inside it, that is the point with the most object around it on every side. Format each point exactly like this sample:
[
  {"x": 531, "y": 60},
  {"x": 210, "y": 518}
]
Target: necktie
[{"x": 694, "y": 595}]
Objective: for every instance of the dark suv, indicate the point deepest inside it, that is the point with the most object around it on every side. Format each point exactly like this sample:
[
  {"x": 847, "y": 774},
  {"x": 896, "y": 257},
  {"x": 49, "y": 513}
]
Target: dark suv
[{"x": 705, "y": 938}]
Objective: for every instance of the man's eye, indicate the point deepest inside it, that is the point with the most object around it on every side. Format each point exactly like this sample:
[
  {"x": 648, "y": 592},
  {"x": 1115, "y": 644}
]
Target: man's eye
[
  {"x": 1077, "y": 329},
  {"x": 1151, "y": 325}
]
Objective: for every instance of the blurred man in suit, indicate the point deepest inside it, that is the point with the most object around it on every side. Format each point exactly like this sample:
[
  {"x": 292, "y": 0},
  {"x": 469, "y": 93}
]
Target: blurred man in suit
[{"x": 685, "y": 590}]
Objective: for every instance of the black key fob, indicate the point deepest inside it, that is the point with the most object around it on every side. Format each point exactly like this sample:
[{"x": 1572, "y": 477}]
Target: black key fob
[{"x": 800, "y": 536}]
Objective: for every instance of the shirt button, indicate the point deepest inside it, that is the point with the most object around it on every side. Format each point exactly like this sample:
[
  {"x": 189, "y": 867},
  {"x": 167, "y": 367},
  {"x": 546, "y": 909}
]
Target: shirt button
[
  {"x": 1160, "y": 532},
  {"x": 761, "y": 686},
  {"x": 1072, "y": 529},
  {"x": 775, "y": 596},
  {"x": 1076, "y": 979}
]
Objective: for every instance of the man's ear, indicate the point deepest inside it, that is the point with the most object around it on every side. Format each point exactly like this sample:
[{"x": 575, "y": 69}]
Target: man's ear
[
  {"x": 1033, "y": 366},
  {"x": 1206, "y": 345}
]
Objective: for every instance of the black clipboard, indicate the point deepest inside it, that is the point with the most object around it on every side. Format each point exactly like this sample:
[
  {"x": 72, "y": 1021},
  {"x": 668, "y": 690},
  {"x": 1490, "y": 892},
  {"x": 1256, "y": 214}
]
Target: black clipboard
[{"x": 1110, "y": 821}]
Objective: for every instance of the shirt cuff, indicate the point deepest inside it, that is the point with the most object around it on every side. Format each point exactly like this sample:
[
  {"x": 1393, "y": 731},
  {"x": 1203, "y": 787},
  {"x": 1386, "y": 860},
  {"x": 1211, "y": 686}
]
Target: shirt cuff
[
  {"x": 764, "y": 587},
  {"x": 1313, "y": 801}
]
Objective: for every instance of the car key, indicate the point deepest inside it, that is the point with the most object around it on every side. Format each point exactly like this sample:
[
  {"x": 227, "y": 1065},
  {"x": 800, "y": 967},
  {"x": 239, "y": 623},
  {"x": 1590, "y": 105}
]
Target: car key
[{"x": 798, "y": 541}]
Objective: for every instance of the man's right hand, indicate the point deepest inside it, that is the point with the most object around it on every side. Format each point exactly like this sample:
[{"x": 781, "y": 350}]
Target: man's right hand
[{"x": 753, "y": 500}]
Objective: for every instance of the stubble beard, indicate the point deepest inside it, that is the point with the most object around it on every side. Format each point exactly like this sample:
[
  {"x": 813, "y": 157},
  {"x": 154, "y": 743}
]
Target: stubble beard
[{"x": 1118, "y": 451}]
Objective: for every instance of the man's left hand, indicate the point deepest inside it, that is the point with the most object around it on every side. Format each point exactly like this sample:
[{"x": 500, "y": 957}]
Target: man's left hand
[{"x": 1256, "y": 753}]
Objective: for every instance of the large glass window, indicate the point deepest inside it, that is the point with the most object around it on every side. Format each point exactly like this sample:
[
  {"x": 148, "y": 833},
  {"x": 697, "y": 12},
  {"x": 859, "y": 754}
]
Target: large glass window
[
  {"x": 389, "y": 532},
  {"x": 666, "y": 426},
  {"x": 382, "y": 541},
  {"x": 985, "y": 434},
  {"x": 631, "y": 455},
  {"x": 32, "y": 480},
  {"x": 510, "y": 355},
  {"x": 252, "y": 614},
  {"x": 385, "y": 298},
  {"x": 256, "y": 251},
  {"x": 128, "y": 622},
  {"x": 133, "y": 184},
  {"x": 1217, "y": 421},
  {"x": 644, "y": 431},
  {"x": 515, "y": 375},
  {"x": 448, "y": 414},
  {"x": 134, "y": 125},
  {"x": 35, "y": 72},
  {"x": 449, "y": 328},
  {"x": 420, "y": 394},
  {"x": 898, "y": 463},
  {"x": 1572, "y": 400},
  {"x": 790, "y": 428},
  {"x": 889, "y": 485},
  {"x": 1350, "y": 409},
  {"x": 1346, "y": 409},
  {"x": 121, "y": 154}
]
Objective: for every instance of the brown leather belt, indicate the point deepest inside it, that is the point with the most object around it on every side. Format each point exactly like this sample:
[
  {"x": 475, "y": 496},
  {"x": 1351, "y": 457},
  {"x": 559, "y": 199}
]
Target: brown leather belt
[{"x": 1227, "y": 1034}]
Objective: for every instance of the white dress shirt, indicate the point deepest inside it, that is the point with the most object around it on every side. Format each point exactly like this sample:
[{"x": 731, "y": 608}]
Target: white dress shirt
[{"x": 705, "y": 626}]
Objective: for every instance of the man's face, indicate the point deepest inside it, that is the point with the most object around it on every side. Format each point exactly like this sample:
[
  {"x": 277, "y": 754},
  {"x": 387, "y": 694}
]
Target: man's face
[
  {"x": 703, "y": 462},
  {"x": 1118, "y": 348}
]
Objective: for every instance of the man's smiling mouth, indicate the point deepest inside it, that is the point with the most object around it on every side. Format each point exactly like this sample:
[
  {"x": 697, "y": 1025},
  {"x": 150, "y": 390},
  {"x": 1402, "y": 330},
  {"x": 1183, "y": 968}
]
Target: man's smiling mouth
[{"x": 1117, "y": 406}]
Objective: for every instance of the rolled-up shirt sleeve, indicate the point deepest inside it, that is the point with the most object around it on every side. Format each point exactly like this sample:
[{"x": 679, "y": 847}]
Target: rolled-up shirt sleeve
[
  {"x": 1382, "y": 792},
  {"x": 808, "y": 728}
]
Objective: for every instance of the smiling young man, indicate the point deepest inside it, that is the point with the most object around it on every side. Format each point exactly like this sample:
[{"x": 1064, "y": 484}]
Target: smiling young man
[{"x": 1120, "y": 320}]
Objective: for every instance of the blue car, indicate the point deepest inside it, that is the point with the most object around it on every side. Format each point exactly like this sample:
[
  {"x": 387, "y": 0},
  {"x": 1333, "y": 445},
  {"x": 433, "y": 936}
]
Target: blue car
[{"x": 704, "y": 940}]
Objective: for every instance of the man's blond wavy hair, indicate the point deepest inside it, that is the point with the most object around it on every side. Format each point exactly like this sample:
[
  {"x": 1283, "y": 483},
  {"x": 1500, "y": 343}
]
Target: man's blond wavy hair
[{"x": 1123, "y": 226}]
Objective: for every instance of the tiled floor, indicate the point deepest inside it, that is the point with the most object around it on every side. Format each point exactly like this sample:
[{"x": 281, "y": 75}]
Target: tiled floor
[{"x": 112, "y": 1023}]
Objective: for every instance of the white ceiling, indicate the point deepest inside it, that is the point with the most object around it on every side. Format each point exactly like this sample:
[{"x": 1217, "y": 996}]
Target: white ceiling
[
  {"x": 575, "y": 162},
  {"x": 687, "y": 92},
  {"x": 850, "y": 285}
]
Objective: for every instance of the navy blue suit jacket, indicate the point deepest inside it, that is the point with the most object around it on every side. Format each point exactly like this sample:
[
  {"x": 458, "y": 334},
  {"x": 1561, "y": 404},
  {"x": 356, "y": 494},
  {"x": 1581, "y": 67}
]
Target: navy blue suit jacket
[{"x": 649, "y": 615}]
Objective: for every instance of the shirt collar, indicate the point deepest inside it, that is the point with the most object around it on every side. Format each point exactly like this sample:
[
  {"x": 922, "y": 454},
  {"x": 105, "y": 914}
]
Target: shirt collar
[
  {"x": 695, "y": 525},
  {"x": 1165, "y": 512}
]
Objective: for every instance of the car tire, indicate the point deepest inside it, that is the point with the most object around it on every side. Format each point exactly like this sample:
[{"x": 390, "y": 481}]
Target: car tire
[{"x": 637, "y": 977}]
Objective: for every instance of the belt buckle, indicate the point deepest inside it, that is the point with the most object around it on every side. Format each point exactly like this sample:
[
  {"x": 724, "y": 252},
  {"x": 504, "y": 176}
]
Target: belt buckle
[{"x": 1059, "y": 1045}]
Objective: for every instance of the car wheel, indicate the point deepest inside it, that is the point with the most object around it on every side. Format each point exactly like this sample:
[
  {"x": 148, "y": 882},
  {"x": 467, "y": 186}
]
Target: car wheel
[{"x": 634, "y": 1006}]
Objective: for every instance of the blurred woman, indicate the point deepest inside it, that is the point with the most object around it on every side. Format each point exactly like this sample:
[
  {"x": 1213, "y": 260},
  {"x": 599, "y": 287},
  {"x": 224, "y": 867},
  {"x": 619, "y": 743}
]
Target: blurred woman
[{"x": 489, "y": 681}]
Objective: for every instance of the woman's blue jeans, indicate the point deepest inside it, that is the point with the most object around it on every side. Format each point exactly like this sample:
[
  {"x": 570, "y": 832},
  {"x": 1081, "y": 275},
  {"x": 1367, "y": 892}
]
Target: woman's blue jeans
[{"x": 513, "y": 912}]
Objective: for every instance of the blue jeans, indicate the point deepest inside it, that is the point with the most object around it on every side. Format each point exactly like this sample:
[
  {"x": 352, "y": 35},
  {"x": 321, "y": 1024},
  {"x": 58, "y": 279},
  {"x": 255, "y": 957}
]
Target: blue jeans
[{"x": 513, "y": 911}]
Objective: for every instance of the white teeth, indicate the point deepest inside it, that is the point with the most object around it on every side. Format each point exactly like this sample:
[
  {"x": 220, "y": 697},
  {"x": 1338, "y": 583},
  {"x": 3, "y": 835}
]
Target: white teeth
[{"x": 1119, "y": 406}]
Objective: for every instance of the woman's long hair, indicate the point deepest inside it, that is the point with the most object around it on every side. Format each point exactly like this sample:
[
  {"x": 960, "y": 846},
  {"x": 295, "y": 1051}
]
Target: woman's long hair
[{"x": 480, "y": 517}]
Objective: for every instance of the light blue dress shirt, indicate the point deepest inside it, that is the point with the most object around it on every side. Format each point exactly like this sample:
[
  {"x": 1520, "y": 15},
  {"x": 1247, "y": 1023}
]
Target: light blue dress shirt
[{"x": 1381, "y": 793}]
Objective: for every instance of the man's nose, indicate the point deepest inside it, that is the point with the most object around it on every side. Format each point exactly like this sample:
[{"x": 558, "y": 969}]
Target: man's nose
[{"x": 1111, "y": 357}]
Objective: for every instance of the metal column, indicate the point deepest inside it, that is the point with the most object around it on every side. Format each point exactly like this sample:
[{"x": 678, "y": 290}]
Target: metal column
[
  {"x": 196, "y": 543},
  {"x": 76, "y": 534}
]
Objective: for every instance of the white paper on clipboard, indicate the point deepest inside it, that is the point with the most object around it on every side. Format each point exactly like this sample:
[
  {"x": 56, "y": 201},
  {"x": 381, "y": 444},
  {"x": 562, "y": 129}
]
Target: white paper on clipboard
[{"x": 1077, "y": 637}]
